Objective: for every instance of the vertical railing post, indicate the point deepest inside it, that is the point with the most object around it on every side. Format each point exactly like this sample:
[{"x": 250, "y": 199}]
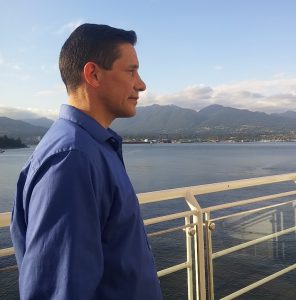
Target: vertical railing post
[
  {"x": 189, "y": 258},
  {"x": 283, "y": 252},
  {"x": 208, "y": 228},
  {"x": 200, "y": 280}
]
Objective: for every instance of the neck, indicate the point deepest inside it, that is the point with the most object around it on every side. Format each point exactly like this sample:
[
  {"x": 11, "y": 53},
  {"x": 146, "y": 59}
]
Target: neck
[{"x": 83, "y": 101}]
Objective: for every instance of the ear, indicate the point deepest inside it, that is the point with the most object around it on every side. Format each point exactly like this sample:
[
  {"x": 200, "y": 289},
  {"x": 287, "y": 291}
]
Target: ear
[{"x": 92, "y": 74}]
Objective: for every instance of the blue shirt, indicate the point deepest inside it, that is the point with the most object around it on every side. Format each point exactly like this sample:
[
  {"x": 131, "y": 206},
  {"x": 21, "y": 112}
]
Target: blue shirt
[{"x": 76, "y": 223}]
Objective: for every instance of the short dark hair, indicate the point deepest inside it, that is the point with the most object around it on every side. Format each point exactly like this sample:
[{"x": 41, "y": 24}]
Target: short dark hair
[{"x": 91, "y": 42}]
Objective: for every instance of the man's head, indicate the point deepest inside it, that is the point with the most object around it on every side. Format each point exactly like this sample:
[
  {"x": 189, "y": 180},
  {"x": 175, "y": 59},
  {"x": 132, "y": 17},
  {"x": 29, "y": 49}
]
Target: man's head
[
  {"x": 91, "y": 42},
  {"x": 99, "y": 67}
]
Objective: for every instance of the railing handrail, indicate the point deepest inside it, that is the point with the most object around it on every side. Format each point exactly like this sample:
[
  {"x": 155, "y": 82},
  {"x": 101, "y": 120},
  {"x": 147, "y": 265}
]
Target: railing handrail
[
  {"x": 162, "y": 195},
  {"x": 202, "y": 189},
  {"x": 5, "y": 219},
  {"x": 248, "y": 201}
]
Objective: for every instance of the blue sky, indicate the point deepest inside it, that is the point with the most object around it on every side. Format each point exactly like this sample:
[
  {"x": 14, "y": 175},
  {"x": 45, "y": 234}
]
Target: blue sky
[{"x": 238, "y": 53}]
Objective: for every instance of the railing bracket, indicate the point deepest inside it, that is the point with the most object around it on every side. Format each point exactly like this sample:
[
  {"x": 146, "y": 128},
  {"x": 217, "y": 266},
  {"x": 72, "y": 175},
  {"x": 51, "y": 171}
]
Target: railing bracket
[{"x": 212, "y": 226}]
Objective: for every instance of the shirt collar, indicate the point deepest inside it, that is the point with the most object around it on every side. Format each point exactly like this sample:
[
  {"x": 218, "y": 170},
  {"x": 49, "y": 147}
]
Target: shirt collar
[{"x": 97, "y": 131}]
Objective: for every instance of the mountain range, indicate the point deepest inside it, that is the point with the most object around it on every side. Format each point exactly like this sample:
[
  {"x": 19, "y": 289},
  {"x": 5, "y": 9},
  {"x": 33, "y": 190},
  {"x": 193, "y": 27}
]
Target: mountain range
[
  {"x": 211, "y": 120},
  {"x": 21, "y": 129},
  {"x": 172, "y": 120}
]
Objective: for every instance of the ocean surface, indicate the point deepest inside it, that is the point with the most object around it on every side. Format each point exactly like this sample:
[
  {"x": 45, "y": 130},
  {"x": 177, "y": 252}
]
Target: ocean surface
[{"x": 164, "y": 166}]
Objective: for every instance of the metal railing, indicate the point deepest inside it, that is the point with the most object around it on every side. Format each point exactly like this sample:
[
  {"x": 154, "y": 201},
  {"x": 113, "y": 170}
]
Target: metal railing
[{"x": 199, "y": 227}]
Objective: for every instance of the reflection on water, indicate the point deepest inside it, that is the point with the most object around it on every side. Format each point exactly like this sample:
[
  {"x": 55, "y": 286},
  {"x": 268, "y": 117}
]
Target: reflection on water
[{"x": 253, "y": 263}]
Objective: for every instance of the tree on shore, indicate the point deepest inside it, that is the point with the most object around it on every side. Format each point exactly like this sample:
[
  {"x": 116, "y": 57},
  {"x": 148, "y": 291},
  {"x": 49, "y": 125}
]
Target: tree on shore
[{"x": 6, "y": 142}]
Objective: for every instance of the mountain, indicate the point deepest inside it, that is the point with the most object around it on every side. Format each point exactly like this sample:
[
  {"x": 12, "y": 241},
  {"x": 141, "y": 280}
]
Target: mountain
[
  {"x": 15, "y": 128},
  {"x": 213, "y": 119},
  {"x": 288, "y": 114},
  {"x": 155, "y": 120},
  {"x": 40, "y": 122},
  {"x": 228, "y": 118}
]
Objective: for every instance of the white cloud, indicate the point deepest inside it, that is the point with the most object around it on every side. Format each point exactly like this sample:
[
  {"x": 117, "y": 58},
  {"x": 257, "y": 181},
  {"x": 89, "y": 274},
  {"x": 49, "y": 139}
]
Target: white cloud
[
  {"x": 15, "y": 67},
  {"x": 69, "y": 27},
  {"x": 10, "y": 66},
  {"x": 218, "y": 67},
  {"x": 195, "y": 97},
  {"x": 56, "y": 90},
  {"x": 45, "y": 93},
  {"x": 276, "y": 95},
  {"x": 18, "y": 113},
  {"x": 49, "y": 68},
  {"x": 264, "y": 95},
  {"x": 280, "y": 75},
  {"x": 12, "y": 69}
]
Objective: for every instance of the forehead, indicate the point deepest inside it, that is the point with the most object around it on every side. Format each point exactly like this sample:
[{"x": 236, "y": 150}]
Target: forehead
[{"x": 128, "y": 54}]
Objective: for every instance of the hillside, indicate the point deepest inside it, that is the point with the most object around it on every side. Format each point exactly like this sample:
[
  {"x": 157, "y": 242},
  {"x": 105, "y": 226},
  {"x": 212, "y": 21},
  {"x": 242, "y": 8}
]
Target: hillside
[
  {"x": 40, "y": 122},
  {"x": 19, "y": 129},
  {"x": 213, "y": 119},
  {"x": 156, "y": 120}
]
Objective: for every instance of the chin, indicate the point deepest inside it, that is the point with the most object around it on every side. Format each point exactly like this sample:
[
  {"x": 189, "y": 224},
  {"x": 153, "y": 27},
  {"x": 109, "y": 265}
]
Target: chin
[
  {"x": 128, "y": 114},
  {"x": 131, "y": 114},
  {"x": 131, "y": 111}
]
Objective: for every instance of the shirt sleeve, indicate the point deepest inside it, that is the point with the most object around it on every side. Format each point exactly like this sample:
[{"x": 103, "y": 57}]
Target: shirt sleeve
[{"x": 63, "y": 257}]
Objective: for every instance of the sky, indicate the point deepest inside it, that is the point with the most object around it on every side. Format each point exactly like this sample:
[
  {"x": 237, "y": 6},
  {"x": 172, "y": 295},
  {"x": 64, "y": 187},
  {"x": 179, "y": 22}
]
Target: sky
[{"x": 192, "y": 53}]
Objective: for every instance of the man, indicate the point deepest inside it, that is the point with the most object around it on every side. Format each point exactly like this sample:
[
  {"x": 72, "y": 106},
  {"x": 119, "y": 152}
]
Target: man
[{"x": 76, "y": 224}]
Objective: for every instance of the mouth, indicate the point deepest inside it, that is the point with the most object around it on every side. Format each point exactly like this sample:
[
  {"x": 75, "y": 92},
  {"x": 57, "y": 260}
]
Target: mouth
[{"x": 134, "y": 100}]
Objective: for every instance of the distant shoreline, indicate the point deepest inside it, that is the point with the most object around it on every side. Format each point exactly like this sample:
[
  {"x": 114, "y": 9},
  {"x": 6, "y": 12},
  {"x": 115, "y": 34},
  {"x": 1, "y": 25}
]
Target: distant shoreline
[
  {"x": 11, "y": 143},
  {"x": 210, "y": 142},
  {"x": 18, "y": 147}
]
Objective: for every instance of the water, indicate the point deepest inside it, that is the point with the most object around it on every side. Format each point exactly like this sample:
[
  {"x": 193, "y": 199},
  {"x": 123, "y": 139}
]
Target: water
[{"x": 163, "y": 166}]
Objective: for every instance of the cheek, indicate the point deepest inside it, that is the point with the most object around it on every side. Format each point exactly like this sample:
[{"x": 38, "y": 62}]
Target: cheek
[
  {"x": 126, "y": 90},
  {"x": 123, "y": 87}
]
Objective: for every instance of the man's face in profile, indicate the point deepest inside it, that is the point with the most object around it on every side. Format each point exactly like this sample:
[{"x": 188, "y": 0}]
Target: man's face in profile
[{"x": 120, "y": 86}]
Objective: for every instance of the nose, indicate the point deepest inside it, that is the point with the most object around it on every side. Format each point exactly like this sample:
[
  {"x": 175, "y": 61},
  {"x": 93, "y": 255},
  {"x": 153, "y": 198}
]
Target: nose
[{"x": 140, "y": 85}]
